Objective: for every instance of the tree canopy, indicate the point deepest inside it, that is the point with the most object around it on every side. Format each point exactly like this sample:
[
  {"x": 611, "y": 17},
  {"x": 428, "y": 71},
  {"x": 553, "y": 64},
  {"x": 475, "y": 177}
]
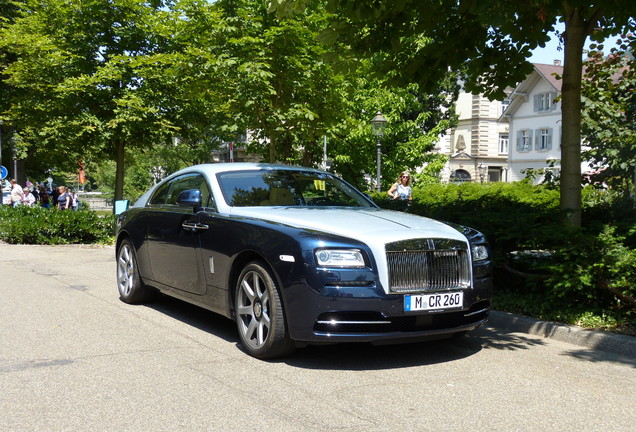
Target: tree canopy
[
  {"x": 609, "y": 113},
  {"x": 135, "y": 81},
  {"x": 490, "y": 42},
  {"x": 89, "y": 78}
]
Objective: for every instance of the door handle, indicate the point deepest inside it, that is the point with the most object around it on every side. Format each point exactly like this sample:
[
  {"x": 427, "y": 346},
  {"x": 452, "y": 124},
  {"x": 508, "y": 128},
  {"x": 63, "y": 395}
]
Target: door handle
[{"x": 194, "y": 226}]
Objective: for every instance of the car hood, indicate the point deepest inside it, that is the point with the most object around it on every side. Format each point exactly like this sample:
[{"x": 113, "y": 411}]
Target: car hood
[
  {"x": 369, "y": 225},
  {"x": 372, "y": 226}
]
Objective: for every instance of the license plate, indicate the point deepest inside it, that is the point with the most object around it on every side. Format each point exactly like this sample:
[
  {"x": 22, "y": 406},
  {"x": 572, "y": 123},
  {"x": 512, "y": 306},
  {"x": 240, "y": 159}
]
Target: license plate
[{"x": 437, "y": 301}]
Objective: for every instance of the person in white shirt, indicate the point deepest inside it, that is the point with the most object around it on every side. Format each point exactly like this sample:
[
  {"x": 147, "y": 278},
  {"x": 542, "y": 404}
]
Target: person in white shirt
[
  {"x": 402, "y": 188},
  {"x": 29, "y": 198},
  {"x": 74, "y": 201},
  {"x": 17, "y": 194}
]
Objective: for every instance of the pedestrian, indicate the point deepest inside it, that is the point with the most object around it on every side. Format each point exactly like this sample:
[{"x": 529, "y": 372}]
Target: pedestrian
[
  {"x": 29, "y": 198},
  {"x": 401, "y": 189},
  {"x": 63, "y": 199},
  {"x": 17, "y": 194},
  {"x": 45, "y": 199},
  {"x": 36, "y": 194},
  {"x": 74, "y": 200}
]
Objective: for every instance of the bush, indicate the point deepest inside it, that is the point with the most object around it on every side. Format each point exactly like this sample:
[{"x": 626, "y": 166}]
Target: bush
[
  {"x": 543, "y": 269},
  {"x": 37, "y": 225}
]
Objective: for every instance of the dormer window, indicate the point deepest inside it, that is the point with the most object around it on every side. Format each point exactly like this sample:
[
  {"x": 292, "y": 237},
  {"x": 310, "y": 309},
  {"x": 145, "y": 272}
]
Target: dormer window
[{"x": 544, "y": 102}]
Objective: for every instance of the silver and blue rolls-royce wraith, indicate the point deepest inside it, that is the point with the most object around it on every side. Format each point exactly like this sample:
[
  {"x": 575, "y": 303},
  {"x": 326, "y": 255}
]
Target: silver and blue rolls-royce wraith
[{"x": 298, "y": 256}]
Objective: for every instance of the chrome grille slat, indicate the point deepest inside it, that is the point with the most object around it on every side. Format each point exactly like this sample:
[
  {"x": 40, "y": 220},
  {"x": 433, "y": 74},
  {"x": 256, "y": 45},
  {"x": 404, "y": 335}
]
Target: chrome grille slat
[{"x": 428, "y": 269}]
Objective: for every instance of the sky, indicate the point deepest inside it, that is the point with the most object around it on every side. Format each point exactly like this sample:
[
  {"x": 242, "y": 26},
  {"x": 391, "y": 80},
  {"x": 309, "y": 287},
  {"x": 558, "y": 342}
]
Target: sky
[
  {"x": 551, "y": 52},
  {"x": 548, "y": 54}
]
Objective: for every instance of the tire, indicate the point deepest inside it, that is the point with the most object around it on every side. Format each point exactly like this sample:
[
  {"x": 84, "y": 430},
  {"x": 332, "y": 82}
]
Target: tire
[
  {"x": 131, "y": 288},
  {"x": 260, "y": 318}
]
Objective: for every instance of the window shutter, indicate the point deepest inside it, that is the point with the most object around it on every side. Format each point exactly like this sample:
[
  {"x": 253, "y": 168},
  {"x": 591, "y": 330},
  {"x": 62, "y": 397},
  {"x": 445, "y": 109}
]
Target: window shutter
[
  {"x": 519, "y": 148},
  {"x": 537, "y": 139},
  {"x": 537, "y": 101},
  {"x": 549, "y": 143},
  {"x": 553, "y": 104}
]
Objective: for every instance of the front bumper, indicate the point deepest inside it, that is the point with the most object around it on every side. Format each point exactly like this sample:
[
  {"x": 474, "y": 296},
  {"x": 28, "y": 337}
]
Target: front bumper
[{"x": 367, "y": 314}]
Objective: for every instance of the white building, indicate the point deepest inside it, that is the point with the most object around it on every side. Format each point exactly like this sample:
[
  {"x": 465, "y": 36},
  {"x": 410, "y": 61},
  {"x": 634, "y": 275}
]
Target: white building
[
  {"x": 534, "y": 118},
  {"x": 478, "y": 146}
]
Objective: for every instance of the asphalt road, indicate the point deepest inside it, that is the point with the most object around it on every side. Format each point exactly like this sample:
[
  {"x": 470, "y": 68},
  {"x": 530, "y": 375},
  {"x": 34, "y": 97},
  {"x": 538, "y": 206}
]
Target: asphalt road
[{"x": 73, "y": 357}]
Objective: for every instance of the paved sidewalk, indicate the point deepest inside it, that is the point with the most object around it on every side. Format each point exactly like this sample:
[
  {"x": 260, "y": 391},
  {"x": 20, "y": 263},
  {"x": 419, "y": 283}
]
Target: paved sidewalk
[{"x": 604, "y": 341}]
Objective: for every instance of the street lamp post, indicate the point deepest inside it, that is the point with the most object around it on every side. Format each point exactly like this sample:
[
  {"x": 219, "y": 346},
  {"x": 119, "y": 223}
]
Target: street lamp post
[
  {"x": 15, "y": 163},
  {"x": 483, "y": 170},
  {"x": 378, "y": 123}
]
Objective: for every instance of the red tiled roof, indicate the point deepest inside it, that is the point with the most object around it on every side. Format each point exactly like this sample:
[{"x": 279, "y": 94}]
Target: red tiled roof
[{"x": 548, "y": 72}]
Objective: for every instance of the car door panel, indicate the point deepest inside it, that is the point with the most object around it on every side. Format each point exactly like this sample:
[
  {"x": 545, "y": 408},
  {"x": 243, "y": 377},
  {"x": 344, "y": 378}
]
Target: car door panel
[{"x": 173, "y": 250}]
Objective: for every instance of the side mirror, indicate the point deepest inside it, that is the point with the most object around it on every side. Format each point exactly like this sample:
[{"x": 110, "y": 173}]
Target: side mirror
[
  {"x": 190, "y": 198},
  {"x": 120, "y": 206}
]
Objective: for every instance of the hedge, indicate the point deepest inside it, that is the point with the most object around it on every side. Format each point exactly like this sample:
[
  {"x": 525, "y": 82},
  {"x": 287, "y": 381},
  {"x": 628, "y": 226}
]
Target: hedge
[
  {"x": 581, "y": 276},
  {"x": 37, "y": 225}
]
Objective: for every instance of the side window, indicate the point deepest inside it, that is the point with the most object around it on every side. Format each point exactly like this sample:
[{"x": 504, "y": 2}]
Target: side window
[
  {"x": 185, "y": 182},
  {"x": 206, "y": 196},
  {"x": 168, "y": 192},
  {"x": 160, "y": 194}
]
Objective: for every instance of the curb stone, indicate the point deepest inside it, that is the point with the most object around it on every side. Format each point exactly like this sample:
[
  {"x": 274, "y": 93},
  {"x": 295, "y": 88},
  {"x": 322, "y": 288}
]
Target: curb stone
[{"x": 603, "y": 341}]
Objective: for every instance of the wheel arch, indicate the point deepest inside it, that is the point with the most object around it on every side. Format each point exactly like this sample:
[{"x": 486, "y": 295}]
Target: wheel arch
[
  {"x": 239, "y": 263},
  {"x": 123, "y": 235}
]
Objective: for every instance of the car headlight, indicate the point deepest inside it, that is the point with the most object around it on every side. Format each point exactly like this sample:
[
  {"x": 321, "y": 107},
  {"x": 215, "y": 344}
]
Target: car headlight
[
  {"x": 339, "y": 258},
  {"x": 480, "y": 252}
]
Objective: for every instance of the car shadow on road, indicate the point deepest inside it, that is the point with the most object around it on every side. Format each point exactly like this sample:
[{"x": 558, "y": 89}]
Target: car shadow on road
[
  {"x": 365, "y": 356},
  {"x": 195, "y": 316},
  {"x": 353, "y": 356}
]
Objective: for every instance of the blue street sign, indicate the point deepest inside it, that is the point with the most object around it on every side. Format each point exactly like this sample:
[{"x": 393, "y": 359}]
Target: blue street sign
[{"x": 3, "y": 172}]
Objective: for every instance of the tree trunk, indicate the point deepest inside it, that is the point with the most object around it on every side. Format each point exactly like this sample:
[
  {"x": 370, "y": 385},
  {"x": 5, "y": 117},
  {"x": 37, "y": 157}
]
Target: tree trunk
[
  {"x": 308, "y": 156},
  {"x": 119, "y": 173},
  {"x": 272, "y": 149},
  {"x": 634, "y": 187},
  {"x": 574, "y": 37}
]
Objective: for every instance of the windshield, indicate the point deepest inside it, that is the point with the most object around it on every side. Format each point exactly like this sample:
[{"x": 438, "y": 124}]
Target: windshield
[{"x": 288, "y": 188}]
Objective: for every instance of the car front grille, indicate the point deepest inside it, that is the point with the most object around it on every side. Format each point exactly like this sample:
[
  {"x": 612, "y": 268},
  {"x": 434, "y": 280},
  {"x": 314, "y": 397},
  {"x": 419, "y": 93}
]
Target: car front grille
[{"x": 428, "y": 265}]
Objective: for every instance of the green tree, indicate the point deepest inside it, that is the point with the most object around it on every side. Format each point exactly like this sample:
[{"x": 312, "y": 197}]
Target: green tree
[
  {"x": 8, "y": 11},
  {"x": 292, "y": 91},
  {"x": 279, "y": 85},
  {"x": 415, "y": 121},
  {"x": 91, "y": 78},
  {"x": 490, "y": 40},
  {"x": 609, "y": 113}
]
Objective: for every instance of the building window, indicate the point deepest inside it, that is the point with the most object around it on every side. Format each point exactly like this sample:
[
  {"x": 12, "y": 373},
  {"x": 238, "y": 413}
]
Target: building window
[
  {"x": 544, "y": 102},
  {"x": 524, "y": 140},
  {"x": 494, "y": 174},
  {"x": 460, "y": 176},
  {"x": 503, "y": 143},
  {"x": 543, "y": 139},
  {"x": 504, "y": 105}
]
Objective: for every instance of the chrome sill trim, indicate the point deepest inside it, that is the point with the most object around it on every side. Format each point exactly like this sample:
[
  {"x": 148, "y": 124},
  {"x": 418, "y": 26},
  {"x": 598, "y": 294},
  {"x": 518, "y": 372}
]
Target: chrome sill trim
[
  {"x": 477, "y": 312},
  {"x": 333, "y": 322}
]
